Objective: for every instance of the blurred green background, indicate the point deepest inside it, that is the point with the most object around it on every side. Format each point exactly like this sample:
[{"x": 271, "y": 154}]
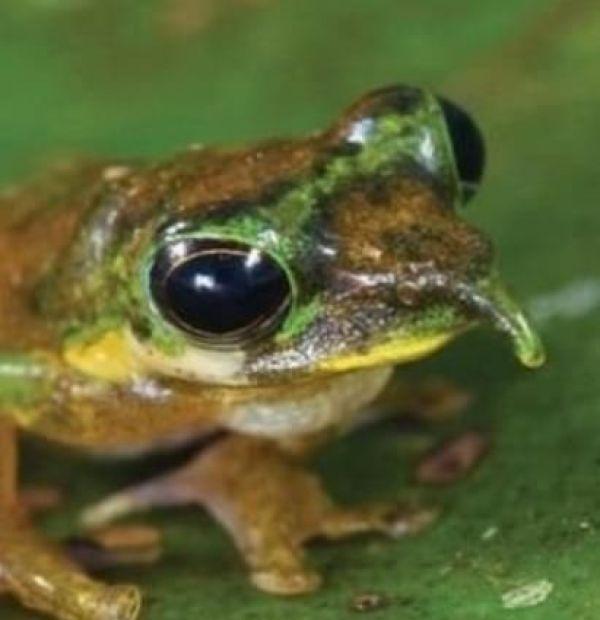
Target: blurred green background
[{"x": 147, "y": 77}]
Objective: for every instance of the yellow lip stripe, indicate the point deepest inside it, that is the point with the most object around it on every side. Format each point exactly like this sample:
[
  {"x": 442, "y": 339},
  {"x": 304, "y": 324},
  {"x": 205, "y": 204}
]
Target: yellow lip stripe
[{"x": 392, "y": 352}]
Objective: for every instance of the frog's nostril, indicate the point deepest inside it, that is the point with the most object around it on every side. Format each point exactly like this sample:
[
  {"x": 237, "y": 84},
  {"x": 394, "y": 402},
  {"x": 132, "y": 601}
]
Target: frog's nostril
[{"x": 407, "y": 295}]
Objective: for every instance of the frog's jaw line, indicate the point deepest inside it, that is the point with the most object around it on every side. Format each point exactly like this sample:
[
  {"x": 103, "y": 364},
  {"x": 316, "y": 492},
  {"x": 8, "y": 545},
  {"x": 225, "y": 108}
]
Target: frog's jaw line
[{"x": 399, "y": 350}]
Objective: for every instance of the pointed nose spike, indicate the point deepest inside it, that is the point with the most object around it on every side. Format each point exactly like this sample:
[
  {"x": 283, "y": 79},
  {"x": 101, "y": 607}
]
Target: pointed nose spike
[
  {"x": 511, "y": 319},
  {"x": 528, "y": 345}
]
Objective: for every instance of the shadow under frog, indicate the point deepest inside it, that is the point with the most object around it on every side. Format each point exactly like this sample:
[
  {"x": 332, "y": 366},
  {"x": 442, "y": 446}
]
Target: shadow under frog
[{"x": 265, "y": 293}]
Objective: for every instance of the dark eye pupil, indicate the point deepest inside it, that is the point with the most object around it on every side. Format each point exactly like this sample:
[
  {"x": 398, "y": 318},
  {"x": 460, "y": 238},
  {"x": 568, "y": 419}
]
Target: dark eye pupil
[
  {"x": 223, "y": 291},
  {"x": 468, "y": 146}
]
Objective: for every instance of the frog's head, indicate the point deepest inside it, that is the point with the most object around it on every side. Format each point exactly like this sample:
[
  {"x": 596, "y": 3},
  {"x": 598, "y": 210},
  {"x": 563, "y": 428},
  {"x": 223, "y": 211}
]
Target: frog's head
[{"x": 356, "y": 259}]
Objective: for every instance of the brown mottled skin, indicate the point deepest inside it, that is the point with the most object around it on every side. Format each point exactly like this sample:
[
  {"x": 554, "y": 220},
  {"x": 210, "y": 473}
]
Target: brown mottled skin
[
  {"x": 361, "y": 221},
  {"x": 46, "y": 216}
]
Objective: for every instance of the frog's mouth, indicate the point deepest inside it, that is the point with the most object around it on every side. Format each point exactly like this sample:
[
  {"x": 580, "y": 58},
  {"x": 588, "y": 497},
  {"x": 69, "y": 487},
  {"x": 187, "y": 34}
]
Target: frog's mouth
[{"x": 488, "y": 301}]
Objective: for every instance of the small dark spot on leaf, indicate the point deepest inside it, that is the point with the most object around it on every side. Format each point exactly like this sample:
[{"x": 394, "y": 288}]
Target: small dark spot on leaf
[{"x": 369, "y": 601}]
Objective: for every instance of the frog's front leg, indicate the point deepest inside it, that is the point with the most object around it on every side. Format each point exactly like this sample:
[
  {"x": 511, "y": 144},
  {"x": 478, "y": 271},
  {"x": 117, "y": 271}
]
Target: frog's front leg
[
  {"x": 36, "y": 572},
  {"x": 270, "y": 504},
  {"x": 432, "y": 399}
]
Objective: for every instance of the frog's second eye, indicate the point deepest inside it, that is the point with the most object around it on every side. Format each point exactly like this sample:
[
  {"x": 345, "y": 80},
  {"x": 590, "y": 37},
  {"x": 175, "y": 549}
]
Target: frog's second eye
[
  {"x": 220, "y": 292},
  {"x": 468, "y": 147}
]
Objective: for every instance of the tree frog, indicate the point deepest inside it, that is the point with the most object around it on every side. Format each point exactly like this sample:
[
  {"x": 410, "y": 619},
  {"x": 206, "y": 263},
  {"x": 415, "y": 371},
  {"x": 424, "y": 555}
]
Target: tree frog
[{"x": 261, "y": 295}]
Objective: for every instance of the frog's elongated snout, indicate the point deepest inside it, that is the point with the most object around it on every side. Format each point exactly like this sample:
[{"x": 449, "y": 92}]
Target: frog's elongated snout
[{"x": 494, "y": 301}]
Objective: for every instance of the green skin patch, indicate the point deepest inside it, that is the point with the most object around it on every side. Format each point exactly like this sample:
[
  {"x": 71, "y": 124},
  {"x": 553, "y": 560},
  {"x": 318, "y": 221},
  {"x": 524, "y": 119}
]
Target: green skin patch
[{"x": 24, "y": 381}]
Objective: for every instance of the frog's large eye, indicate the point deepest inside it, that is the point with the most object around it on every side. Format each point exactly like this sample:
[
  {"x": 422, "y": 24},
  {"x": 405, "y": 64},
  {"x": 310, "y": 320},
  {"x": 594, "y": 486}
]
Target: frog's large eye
[
  {"x": 219, "y": 292},
  {"x": 468, "y": 147}
]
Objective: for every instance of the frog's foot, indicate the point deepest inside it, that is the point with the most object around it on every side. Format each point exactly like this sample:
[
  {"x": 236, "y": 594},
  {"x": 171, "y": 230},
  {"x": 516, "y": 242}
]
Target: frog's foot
[
  {"x": 270, "y": 505},
  {"x": 394, "y": 520},
  {"x": 116, "y": 545},
  {"x": 438, "y": 400},
  {"x": 37, "y": 573},
  {"x": 430, "y": 400},
  {"x": 44, "y": 580}
]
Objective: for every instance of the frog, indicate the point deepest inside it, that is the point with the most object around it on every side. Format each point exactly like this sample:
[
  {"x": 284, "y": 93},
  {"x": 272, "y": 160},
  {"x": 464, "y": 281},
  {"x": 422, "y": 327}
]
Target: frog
[{"x": 260, "y": 297}]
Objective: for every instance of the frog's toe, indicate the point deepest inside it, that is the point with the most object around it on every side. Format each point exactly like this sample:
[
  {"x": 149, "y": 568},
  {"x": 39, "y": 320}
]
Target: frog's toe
[
  {"x": 117, "y": 546},
  {"x": 286, "y": 582},
  {"x": 395, "y": 520},
  {"x": 401, "y": 521},
  {"x": 439, "y": 400},
  {"x": 107, "y": 511},
  {"x": 117, "y": 603},
  {"x": 39, "y": 574}
]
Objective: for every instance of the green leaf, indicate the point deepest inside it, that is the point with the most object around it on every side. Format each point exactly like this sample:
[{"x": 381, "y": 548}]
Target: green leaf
[{"x": 139, "y": 78}]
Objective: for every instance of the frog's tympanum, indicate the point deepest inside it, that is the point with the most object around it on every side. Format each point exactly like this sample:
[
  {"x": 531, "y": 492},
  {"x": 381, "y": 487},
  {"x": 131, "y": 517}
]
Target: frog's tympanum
[{"x": 260, "y": 295}]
